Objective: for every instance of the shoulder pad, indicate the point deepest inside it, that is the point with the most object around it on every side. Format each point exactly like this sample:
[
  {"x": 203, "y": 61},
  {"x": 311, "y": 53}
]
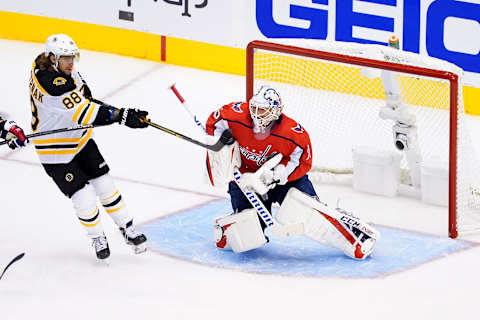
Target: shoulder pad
[{"x": 55, "y": 83}]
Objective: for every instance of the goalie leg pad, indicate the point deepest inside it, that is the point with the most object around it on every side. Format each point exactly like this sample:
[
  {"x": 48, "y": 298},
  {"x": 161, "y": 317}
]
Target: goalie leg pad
[
  {"x": 322, "y": 225},
  {"x": 239, "y": 231}
]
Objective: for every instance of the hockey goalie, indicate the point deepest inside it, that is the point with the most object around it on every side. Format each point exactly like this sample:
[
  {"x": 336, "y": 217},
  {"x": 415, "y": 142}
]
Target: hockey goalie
[{"x": 268, "y": 163}]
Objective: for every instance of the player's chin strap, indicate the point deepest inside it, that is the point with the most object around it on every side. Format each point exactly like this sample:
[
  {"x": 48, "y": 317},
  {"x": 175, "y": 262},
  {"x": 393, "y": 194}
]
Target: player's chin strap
[{"x": 278, "y": 230}]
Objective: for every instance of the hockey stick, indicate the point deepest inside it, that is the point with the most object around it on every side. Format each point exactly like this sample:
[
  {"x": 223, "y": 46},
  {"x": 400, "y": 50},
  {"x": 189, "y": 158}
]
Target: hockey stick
[
  {"x": 277, "y": 229},
  {"x": 44, "y": 133},
  {"x": 187, "y": 108},
  {"x": 20, "y": 256},
  {"x": 225, "y": 138}
]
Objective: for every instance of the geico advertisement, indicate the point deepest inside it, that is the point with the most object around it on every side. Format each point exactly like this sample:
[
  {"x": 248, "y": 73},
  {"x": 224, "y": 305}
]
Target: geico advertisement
[{"x": 444, "y": 29}]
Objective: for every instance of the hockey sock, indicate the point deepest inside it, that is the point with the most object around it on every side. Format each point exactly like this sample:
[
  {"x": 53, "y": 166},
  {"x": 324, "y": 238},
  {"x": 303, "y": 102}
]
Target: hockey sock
[
  {"x": 111, "y": 200},
  {"x": 85, "y": 204}
]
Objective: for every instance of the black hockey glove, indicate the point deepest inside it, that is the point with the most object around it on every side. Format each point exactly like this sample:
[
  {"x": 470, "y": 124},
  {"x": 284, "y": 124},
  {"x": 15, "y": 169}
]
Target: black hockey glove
[{"x": 132, "y": 118}]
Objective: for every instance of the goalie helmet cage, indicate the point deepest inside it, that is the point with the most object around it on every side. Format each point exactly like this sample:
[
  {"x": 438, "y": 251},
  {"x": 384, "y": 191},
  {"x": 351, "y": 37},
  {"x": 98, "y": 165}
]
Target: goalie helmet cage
[{"x": 326, "y": 87}]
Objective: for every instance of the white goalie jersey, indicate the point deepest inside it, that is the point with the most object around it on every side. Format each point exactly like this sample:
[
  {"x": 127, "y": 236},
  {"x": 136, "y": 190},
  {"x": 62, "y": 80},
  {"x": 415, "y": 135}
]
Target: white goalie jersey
[{"x": 58, "y": 101}]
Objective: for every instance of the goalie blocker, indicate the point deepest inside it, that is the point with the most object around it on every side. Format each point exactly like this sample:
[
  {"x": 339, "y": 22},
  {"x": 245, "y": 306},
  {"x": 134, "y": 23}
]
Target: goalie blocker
[{"x": 242, "y": 231}]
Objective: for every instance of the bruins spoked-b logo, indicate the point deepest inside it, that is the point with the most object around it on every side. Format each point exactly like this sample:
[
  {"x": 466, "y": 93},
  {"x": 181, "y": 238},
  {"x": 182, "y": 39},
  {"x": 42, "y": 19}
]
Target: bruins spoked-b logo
[
  {"x": 69, "y": 177},
  {"x": 59, "y": 81}
]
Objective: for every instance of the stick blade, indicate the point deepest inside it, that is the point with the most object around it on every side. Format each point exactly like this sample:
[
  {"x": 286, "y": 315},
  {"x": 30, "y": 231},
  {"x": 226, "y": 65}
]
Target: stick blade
[
  {"x": 225, "y": 139},
  {"x": 20, "y": 256}
]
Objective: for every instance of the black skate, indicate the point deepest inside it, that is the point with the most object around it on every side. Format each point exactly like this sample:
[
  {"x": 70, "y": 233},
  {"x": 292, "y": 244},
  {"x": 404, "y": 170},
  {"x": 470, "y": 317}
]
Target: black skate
[
  {"x": 101, "y": 248},
  {"x": 133, "y": 238}
]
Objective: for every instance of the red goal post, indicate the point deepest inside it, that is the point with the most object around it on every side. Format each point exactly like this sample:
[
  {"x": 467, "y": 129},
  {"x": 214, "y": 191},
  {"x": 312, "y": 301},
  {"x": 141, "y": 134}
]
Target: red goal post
[{"x": 288, "y": 63}]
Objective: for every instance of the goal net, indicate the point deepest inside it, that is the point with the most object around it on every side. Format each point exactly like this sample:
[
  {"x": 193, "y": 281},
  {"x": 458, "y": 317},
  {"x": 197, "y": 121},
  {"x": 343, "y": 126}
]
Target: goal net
[{"x": 336, "y": 91}]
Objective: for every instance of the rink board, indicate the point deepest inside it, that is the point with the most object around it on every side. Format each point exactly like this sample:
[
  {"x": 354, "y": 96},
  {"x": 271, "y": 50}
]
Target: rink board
[{"x": 188, "y": 235}]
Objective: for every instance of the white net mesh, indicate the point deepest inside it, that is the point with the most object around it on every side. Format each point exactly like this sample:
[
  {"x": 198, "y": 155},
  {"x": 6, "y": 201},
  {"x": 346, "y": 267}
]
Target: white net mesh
[{"x": 339, "y": 104}]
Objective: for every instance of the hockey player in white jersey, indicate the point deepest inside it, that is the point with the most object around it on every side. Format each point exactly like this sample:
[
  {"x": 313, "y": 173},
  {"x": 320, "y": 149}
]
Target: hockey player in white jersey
[
  {"x": 61, "y": 98},
  {"x": 10, "y": 131}
]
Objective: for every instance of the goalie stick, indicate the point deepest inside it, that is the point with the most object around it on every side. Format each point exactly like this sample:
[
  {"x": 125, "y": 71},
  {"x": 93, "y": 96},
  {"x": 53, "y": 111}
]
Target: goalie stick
[
  {"x": 20, "y": 256},
  {"x": 277, "y": 229},
  {"x": 186, "y": 107}
]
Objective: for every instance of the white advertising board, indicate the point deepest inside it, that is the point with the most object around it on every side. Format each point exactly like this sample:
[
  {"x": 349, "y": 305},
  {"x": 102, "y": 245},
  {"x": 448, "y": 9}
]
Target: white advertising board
[{"x": 445, "y": 29}]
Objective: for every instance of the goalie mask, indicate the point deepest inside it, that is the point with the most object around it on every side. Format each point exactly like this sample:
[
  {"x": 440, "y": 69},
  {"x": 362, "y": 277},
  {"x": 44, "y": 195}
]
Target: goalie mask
[
  {"x": 61, "y": 45},
  {"x": 265, "y": 107}
]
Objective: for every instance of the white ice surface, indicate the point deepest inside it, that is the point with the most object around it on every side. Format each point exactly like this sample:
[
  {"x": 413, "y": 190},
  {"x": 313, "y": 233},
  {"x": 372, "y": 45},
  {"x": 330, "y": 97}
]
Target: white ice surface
[{"x": 158, "y": 175}]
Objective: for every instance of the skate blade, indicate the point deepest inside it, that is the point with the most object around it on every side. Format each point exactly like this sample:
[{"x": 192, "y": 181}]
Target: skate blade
[{"x": 140, "y": 248}]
